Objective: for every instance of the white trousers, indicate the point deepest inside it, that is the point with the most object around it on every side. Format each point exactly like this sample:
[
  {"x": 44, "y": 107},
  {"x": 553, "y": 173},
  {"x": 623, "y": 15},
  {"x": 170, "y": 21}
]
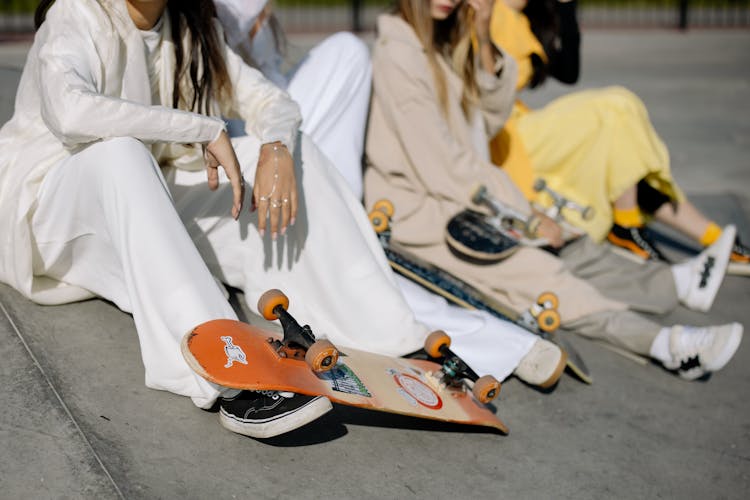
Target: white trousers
[
  {"x": 111, "y": 221},
  {"x": 332, "y": 86}
]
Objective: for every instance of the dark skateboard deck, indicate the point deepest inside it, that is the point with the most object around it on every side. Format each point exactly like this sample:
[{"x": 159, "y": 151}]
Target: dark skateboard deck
[{"x": 459, "y": 292}]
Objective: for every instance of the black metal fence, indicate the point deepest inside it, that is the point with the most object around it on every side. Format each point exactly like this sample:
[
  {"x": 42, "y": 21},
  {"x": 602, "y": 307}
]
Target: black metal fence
[{"x": 360, "y": 15}]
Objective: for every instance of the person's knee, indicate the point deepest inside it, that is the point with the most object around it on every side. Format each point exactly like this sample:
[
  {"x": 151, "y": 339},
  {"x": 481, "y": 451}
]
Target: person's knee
[
  {"x": 622, "y": 99},
  {"x": 350, "y": 51},
  {"x": 122, "y": 158},
  {"x": 122, "y": 147}
]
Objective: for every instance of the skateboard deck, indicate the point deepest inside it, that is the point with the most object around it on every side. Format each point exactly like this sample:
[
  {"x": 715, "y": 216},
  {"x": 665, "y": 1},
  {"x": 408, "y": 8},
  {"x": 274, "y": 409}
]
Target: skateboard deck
[
  {"x": 474, "y": 235},
  {"x": 463, "y": 294},
  {"x": 237, "y": 355}
]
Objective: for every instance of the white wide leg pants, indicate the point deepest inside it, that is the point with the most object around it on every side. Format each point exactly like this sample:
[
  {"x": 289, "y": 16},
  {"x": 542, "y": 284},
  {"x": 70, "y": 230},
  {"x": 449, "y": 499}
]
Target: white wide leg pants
[{"x": 111, "y": 221}]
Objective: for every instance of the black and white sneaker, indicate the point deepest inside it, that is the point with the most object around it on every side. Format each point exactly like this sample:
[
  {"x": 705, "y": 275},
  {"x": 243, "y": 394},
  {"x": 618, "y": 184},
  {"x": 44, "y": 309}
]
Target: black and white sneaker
[
  {"x": 265, "y": 414},
  {"x": 739, "y": 262},
  {"x": 696, "y": 351}
]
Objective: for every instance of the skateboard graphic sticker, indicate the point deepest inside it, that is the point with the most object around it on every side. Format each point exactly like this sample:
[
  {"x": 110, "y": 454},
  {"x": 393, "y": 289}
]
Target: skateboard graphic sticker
[
  {"x": 234, "y": 353},
  {"x": 341, "y": 378},
  {"x": 415, "y": 391}
]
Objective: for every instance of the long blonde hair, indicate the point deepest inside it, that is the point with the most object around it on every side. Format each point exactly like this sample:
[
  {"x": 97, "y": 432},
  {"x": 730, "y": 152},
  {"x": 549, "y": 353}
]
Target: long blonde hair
[{"x": 451, "y": 39}]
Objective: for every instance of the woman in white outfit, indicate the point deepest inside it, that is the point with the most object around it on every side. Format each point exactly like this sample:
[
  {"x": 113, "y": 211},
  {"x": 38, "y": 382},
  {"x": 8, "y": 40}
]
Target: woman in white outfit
[
  {"x": 103, "y": 193},
  {"x": 332, "y": 86}
]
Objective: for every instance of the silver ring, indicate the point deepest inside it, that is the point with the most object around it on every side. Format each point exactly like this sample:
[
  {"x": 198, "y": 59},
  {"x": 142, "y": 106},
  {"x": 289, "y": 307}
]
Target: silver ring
[
  {"x": 285, "y": 201},
  {"x": 275, "y": 204},
  {"x": 263, "y": 198}
]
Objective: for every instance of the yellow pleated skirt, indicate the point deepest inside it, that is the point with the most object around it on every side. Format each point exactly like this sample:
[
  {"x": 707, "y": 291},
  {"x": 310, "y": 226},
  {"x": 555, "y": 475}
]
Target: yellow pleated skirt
[{"x": 590, "y": 146}]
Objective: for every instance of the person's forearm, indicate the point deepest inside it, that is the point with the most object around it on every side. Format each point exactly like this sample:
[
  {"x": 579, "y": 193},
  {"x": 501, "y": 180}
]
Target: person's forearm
[{"x": 490, "y": 58}]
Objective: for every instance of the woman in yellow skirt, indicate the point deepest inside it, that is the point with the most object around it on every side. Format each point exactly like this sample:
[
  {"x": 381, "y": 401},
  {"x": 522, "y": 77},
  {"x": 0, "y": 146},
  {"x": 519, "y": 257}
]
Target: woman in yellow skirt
[{"x": 594, "y": 147}]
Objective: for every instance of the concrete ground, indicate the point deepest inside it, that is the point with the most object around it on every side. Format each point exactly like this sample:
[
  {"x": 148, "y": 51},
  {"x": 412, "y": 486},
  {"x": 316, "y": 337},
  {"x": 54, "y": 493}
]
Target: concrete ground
[{"x": 77, "y": 421}]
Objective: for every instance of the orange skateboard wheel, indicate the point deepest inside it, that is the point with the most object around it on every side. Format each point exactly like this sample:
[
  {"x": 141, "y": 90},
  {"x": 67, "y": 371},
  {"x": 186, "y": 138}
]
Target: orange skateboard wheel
[
  {"x": 486, "y": 388},
  {"x": 378, "y": 220},
  {"x": 549, "y": 320},
  {"x": 384, "y": 206},
  {"x": 548, "y": 300},
  {"x": 322, "y": 356},
  {"x": 268, "y": 302},
  {"x": 435, "y": 341}
]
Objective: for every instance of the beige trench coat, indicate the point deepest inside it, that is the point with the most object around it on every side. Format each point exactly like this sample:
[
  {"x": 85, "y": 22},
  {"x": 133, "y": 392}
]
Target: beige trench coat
[
  {"x": 428, "y": 165},
  {"x": 59, "y": 93}
]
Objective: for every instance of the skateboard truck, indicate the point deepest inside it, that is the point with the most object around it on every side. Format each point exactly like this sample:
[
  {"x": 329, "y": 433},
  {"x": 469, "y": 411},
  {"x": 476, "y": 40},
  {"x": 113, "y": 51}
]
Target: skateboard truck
[
  {"x": 454, "y": 371},
  {"x": 506, "y": 216},
  {"x": 559, "y": 202},
  {"x": 299, "y": 342}
]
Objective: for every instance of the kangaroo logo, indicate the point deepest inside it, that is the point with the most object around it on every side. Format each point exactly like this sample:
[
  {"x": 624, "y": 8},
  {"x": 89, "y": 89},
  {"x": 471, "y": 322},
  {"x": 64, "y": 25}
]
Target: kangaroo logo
[{"x": 234, "y": 353}]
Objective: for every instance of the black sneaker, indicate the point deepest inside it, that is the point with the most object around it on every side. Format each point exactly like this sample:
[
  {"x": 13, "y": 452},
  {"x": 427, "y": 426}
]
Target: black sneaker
[
  {"x": 739, "y": 261},
  {"x": 636, "y": 240},
  {"x": 264, "y": 414}
]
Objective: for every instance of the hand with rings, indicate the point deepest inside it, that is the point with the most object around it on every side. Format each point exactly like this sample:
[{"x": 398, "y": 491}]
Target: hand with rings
[{"x": 275, "y": 189}]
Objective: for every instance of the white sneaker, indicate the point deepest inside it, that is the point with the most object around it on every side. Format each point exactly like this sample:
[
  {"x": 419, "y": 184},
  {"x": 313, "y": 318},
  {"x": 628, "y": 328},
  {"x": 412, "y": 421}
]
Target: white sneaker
[
  {"x": 543, "y": 365},
  {"x": 697, "y": 351},
  {"x": 707, "y": 271}
]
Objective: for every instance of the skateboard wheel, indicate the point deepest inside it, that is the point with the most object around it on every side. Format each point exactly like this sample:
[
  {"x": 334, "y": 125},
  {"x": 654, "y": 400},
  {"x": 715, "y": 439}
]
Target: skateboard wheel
[
  {"x": 539, "y": 185},
  {"x": 322, "y": 356},
  {"x": 384, "y": 206},
  {"x": 588, "y": 213},
  {"x": 268, "y": 302},
  {"x": 378, "y": 220},
  {"x": 486, "y": 388},
  {"x": 548, "y": 320},
  {"x": 548, "y": 300},
  {"x": 435, "y": 342}
]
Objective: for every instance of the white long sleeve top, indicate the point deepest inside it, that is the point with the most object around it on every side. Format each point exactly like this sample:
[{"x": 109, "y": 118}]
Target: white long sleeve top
[{"x": 86, "y": 79}]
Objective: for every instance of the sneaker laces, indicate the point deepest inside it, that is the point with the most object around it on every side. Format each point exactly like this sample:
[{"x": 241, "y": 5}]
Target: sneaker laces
[{"x": 270, "y": 394}]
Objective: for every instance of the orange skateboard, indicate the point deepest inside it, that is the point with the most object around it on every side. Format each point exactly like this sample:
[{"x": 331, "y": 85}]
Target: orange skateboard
[{"x": 237, "y": 355}]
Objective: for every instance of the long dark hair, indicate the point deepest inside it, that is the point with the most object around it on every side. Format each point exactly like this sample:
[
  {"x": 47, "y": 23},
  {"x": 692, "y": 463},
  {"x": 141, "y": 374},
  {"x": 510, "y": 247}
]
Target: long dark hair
[
  {"x": 204, "y": 65},
  {"x": 544, "y": 23}
]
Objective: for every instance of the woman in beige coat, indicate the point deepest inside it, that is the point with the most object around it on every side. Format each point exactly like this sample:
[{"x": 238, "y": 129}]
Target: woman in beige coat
[{"x": 426, "y": 151}]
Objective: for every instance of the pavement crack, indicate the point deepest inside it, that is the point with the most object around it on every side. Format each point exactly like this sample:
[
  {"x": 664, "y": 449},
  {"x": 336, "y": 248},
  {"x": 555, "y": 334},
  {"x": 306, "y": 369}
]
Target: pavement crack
[{"x": 60, "y": 400}]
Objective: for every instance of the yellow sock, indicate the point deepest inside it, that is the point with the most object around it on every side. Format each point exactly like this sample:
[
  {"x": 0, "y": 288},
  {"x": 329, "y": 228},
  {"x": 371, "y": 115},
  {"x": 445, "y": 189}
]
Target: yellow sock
[
  {"x": 711, "y": 234},
  {"x": 629, "y": 217}
]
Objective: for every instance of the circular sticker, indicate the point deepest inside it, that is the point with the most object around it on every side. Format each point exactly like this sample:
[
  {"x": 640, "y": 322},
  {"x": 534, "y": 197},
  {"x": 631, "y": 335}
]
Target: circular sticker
[{"x": 418, "y": 390}]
